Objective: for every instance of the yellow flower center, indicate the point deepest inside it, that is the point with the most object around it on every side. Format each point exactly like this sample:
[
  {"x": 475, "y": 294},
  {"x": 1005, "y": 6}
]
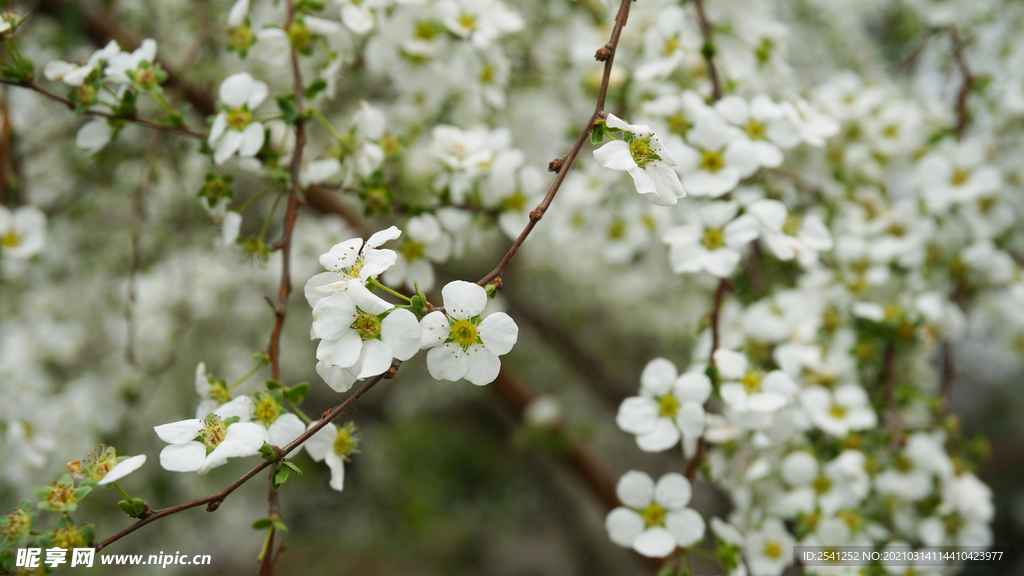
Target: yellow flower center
[
  {"x": 671, "y": 45},
  {"x": 412, "y": 250},
  {"x": 61, "y": 495},
  {"x": 640, "y": 149},
  {"x": 17, "y": 525},
  {"x": 677, "y": 124},
  {"x": 653, "y": 515},
  {"x": 241, "y": 38},
  {"x": 487, "y": 74},
  {"x": 10, "y": 239},
  {"x": 425, "y": 31},
  {"x": 755, "y": 130},
  {"x": 299, "y": 36},
  {"x": 617, "y": 229},
  {"x": 214, "y": 431},
  {"x": 464, "y": 333},
  {"x": 515, "y": 202},
  {"x": 239, "y": 118},
  {"x": 347, "y": 441},
  {"x": 959, "y": 177},
  {"x": 821, "y": 484},
  {"x": 367, "y": 325},
  {"x": 668, "y": 406},
  {"x": 712, "y": 161},
  {"x": 713, "y": 239},
  {"x": 772, "y": 550},
  {"x": 751, "y": 382},
  {"x": 837, "y": 411},
  {"x": 467, "y": 21},
  {"x": 267, "y": 410},
  {"x": 792, "y": 225}
]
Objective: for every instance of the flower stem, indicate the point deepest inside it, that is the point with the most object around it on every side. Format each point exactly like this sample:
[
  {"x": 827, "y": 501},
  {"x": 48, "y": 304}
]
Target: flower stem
[
  {"x": 327, "y": 125},
  {"x": 266, "y": 544},
  {"x": 121, "y": 490},
  {"x": 300, "y": 413},
  {"x": 247, "y": 375},
  {"x": 248, "y": 201},
  {"x": 273, "y": 209},
  {"x": 389, "y": 290}
]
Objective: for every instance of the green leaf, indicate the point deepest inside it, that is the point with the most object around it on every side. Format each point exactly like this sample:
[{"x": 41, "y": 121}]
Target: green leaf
[
  {"x": 296, "y": 393},
  {"x": 315, "y": 88},
  {"x": 280, "y": 526},
  {"x": 597, "y": 135},
  {"x": 281, "y": 476},
  {"x": 262, "y": 524},
  {"x": 139, "y": 505},
  {"x": 288, "y": 110},
  {"x": 273, "y": 384},
  {"x": 292, "y": 466}
]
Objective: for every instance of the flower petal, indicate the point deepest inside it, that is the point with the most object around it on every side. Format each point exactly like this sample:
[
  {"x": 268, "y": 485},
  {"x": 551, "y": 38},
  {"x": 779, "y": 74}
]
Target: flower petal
[
  {"x": 499, "y": 333},
  {"x": 635, "y": 489}
]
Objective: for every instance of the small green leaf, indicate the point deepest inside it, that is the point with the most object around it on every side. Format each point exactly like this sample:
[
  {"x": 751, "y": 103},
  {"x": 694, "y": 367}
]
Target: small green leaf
[
  {"x": 296, "y": 393},
  {"x": 127, "y": 507},
  {"x": 272, "y": 384},
  {"x": 262, "y": 524}
]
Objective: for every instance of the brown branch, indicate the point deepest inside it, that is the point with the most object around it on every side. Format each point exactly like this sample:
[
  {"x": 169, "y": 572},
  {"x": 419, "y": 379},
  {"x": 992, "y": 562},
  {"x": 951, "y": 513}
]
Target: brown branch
[
  {"x": 606, "y": 54},
  {"x": 965, "y": 88},
  {"x": 273, "y": 511},
  {"x": 893, "y": 420},
  {"x": 213, "y": 501},
  {"x": 708, "y": 51},
  {"x": 6, "y": 148},
  {"x": 716, "y": 312},
  {"x": 181, "y": 129}
]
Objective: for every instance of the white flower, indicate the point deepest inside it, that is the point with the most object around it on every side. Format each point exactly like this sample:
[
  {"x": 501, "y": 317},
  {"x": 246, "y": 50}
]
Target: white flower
[
  {"x": 360, "y": 335},
  {"x": 668, "y": 408},
  {"x": 839, "y": 411},
  {"x": 480, "y": 21},
  {"x": 234, "y": 129},
  {"x": 123, "y": 468},
  {"x": 787, "y": 235},
  {"x": 22, "y": 233},
  {"x": 94, "y": 135},
  {"x": 716, "y": 157},
  {"x": 645, "y": 159},
  {"x": 425, "y": 241},
  {"x": 352, "y": 261},
  {"x": 75, "y": 75},
  {"x": 463, "y": 344},
  {"x": 769, "y": 550},
  {"x": 122, "y": 63},
  {"x": 103, "y": 466},
  {"x": 225, "y": 433},
  {"x": 657, "y": 519},
  {"x": 746, "y": 390},
  {"x": 334, "y": 445},
  {"x": 711, "y": 242},
  {"x": 282, "y": 426}
]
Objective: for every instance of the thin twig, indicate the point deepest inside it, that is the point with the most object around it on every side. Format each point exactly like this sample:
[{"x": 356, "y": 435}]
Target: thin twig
[
  {"x": 965, "y": 87},
  {"x": 708, "y": 50},
  {"x": 607, "y": 54},
  {"x": 893, "y": 420},
  {"x": 716, "y": 312},
  {"x": 181, "y": 128},
  {"x": 213, "y": 501}
]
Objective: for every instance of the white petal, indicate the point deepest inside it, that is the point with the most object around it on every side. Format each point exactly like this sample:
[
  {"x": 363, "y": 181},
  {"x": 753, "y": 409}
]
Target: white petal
[
  {"x": 635, "y": 489},
  {"x": 673, "y": 491},
  {"x": 235, "y": 89},
  {"x": 258, "y": 95},
  {"x": 655, "y": 543},
  {"x": 367, "y": 301},
  {"x": 333, "y": 316},
  {"x": 436, "y": 328},
  {"x": 623, "y": 526},
  {"x": 483, "y": 366},
  {"x": 94, "y": 135},
  {"x": 402, "y": 333},
  {"x": 658, "y": 377},
  {"x": 447, "y": 362},
  {"x": 615, "y": 155},
  {"x": 375, "y": 358},
  {"x": 339, "y": 379},
  {"x": 342, "y": 352},
  {"x": 320, "y": 444},
  {"x": 183, "y": 457},
  {"x": 383, "y": 236},
  {"x": 463, "y": 300},
  {"x": 179, "y": 432},
  {"x": 241, "y": 407},
  {"x": 499, "y": 333},
  {"x": 337, "y": 466},
  {"x": 285, "y": 429},
  {"x": 687, "y": 526},
  {"x": 693, "y": 386},
  {"x": 252, "y": 140},
  {"x": 662, "y": 436},
  {"x": 124, "y": 468},
  {"x": 227, "y": 146},
  {"x": 637, "y": 415},
  {"x": 731, "y": 364}
]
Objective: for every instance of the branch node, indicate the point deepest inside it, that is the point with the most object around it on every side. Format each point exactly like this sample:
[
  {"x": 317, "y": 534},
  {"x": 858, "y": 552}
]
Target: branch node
[
  {"x": 536, "y": 215},
  {"x": 498, "y": 283},
  {"x": 213, "y": 505},
  {"x": 603, "y": 53},
  {"x": 555, "y": 165}
]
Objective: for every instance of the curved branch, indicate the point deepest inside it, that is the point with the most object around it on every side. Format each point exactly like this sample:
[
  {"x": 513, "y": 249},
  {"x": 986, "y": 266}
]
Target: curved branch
[
  {"x": 607, "y": 54},
  {"x": 181, "y": 128}
]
